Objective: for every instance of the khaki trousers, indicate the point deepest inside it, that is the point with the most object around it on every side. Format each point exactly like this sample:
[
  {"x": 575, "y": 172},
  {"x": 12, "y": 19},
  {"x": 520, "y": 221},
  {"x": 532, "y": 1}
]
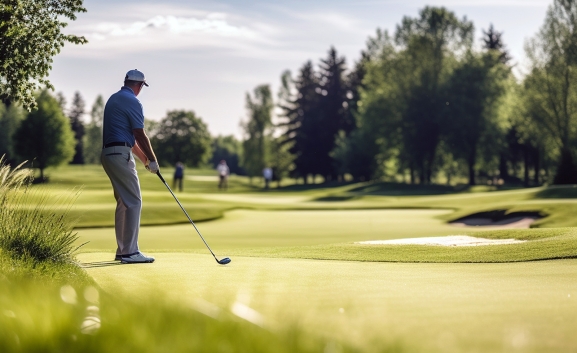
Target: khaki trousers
[{"x": 118, "y": 163}]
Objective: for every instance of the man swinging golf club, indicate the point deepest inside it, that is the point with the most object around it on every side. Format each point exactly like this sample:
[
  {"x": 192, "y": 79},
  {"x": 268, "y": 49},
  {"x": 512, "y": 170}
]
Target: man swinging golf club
[{"x": 124, "y": 138}]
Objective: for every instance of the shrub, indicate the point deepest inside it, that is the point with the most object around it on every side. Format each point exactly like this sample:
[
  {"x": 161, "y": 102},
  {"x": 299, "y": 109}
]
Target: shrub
[{"x": 40, "y": 232}]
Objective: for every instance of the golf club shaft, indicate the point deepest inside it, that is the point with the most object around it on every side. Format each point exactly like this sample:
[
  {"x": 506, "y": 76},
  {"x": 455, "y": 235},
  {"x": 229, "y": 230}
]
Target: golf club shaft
[{"x": 183, "y": 210}]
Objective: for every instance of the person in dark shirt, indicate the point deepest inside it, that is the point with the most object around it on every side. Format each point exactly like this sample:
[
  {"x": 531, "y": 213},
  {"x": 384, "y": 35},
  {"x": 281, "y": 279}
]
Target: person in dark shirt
[{"x": 178, "y": 176}]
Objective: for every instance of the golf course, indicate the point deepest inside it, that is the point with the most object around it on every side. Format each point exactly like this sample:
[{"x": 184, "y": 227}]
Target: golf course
[{"x": 298, "y": 264}]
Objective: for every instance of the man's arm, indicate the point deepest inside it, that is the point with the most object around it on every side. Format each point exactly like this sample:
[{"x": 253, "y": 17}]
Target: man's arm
[
  {"x": 143, "y": 146},
  {"x": 138, "y": 153}
]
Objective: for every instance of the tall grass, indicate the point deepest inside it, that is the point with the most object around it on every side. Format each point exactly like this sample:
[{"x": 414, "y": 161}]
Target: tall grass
[
  {"x": 72, "y": 318},
  {"x": 36, "y": 230}
]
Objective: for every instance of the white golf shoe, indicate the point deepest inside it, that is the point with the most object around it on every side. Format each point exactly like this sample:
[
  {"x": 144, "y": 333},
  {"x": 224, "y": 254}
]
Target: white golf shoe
[{"x": 138, "y": 258}]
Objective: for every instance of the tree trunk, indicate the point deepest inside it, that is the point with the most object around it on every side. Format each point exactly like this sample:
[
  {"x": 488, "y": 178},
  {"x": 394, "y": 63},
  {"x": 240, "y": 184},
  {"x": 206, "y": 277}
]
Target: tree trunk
[
  {"x": 566, "y": 170},
  {"x": 503, "y": 169},
  {"x": 41, "y": 175},
  {"x": 536, "y": 165},
  {"x": 471, "y": 172},
  {"x": 526, "y": 165}
]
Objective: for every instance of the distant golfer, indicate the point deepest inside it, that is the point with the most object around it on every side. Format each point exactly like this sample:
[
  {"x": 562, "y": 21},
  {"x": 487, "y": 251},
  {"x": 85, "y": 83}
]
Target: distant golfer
[
  {"x": 223, "y": 173},
  {"x": 178, "y": 175},
  {"x": 267, "y": 175},
  {"x": 124, "y": 138}
]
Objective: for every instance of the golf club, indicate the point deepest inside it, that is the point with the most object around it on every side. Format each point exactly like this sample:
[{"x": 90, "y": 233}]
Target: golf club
[{"x": 224, "y": 261}]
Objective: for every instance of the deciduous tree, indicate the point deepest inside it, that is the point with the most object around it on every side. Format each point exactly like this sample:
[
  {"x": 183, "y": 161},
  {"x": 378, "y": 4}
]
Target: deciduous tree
[
  {"x": 30, "y": 36},
  {"x": 93, "y": 137},
  {"x": 44, "y": 137},
  {"x": 182, "y": 137}
]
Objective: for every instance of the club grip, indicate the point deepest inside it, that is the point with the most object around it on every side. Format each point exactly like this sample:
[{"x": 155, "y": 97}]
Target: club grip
[{"x": 160, "y": 176}]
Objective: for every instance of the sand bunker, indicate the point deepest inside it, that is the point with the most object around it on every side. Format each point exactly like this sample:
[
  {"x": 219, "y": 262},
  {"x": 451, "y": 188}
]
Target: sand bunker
[
  {"x": 450, "y": 240},
  {"x": 499, "y": 219}
]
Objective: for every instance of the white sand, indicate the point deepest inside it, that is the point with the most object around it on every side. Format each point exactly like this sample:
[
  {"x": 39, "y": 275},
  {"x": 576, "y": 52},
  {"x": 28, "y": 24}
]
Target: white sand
[{"x": 450, "y": 240}]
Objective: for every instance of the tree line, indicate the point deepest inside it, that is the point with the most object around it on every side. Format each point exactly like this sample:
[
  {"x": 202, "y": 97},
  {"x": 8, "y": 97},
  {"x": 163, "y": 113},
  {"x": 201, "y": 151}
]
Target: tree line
[
  {"x": 55, "y": 134},
  {"x": 425, "y": 104}
]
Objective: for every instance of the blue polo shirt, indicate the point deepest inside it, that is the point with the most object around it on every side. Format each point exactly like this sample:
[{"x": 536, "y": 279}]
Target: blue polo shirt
[{"x": 122, "y": 113}]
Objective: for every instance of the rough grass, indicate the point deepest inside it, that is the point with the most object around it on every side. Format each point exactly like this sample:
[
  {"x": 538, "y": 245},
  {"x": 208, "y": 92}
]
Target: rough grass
[
  {"x": 72, "y": 314},
  {"x": 30, "y": 229}
]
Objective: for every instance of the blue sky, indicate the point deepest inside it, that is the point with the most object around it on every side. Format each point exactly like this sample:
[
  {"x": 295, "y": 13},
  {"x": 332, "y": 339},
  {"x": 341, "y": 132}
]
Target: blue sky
[{"x": 205, "y": 55}]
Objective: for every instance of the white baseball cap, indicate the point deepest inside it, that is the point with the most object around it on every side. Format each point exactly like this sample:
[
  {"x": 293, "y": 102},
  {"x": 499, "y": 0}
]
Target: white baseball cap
[{"x": 135, "y": 75}]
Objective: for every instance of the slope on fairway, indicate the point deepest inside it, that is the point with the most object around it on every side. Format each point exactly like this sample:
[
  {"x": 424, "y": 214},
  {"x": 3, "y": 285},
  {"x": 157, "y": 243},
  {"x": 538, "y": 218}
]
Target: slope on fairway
[
  {"x": 248, "y": 229},
  {"x": 425, "y": 307},
  {"x": 330, "y": 235}
]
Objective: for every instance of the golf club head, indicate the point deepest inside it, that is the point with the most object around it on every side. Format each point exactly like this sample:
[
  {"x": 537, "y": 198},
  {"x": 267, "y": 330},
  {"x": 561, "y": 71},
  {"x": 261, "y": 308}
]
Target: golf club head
[{"x": 224, "y": 261}]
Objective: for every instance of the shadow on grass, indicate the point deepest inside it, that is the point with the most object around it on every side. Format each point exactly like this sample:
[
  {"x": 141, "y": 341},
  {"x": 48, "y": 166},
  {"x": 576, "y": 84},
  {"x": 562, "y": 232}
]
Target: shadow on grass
[
  {"x": 307, "y": 187},
  {"x": 558, "y": 192},
  {"x": 100, "y": 264}
]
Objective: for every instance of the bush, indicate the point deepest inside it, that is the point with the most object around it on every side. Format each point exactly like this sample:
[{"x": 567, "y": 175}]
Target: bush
[{"x": 40, "y": 232}]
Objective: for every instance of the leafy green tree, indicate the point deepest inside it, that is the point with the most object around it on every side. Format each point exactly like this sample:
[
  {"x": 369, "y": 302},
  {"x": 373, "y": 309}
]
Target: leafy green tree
[
  {"x": 93, "y": 138},
  {"x": 429, "y": 43},
  {"x": 45, "y": 137},
  {"x": 10, "y": 119},
  {"x": 75, "y": 115},
  {"x": 256, "y": 147},
  {"x": 181, "y": 136},
  {"x": 282, "y": 161},
  {"x": 474, "y": 94},
  {"x": 227, "y": 148},
  {"x": 30, "y": 35},
  {"x": 359, "y": 152},
  {"x": 551, "y": 86},
  {"x": 384, "y": 99}
]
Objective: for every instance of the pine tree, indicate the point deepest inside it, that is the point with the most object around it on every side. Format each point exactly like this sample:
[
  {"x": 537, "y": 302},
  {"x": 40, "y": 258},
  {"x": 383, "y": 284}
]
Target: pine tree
[
  {"x": 299, "y": 119},
  {"x": 493, "y": 42},
  {"x": 333, "y": 115},
  {"x": 75, "y": 116}
]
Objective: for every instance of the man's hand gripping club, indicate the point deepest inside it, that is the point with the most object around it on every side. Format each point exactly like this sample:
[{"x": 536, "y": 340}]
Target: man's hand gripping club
[{"x": 143, "y": 150}]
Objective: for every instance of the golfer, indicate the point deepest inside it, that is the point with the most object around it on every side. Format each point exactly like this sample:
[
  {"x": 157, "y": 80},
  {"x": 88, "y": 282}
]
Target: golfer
[
  {"x": 124, "y": 138},
  {"x": 223, "y": 172}
]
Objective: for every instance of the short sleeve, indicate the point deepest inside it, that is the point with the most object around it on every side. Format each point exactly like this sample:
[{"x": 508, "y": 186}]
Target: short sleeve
[{"x": 135, "y": 114}]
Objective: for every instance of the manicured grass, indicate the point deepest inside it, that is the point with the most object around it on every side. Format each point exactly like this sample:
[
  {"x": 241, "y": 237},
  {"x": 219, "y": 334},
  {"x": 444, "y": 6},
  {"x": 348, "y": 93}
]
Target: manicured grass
[
  {"x": 203, "y": 200},
  {"x": 276, "y": 239},
  {"x": 249, "y": 229},
  {"x": 528, "y": 307},
  {"x": 330, "y": 235}
]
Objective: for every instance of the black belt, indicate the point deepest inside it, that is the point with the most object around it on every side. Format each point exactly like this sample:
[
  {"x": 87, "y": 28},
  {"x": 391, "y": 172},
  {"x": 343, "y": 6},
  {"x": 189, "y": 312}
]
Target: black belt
[{"x": 114, "y": 144}]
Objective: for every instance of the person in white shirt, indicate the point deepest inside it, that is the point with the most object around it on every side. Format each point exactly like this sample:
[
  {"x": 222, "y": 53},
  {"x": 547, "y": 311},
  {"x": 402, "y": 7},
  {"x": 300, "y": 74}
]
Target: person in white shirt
[{"x": 223, "y": 173}]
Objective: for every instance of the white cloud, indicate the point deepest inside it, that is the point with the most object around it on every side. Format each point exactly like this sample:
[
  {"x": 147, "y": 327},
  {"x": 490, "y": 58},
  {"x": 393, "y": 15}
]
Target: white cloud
[
  {"x": 167, "y": 32},
  {"x": 214, "y": 24}
]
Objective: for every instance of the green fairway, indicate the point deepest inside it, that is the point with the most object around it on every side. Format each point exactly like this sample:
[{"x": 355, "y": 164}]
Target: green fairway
[
  {"x": 330, "y": 235},
  {"x": 400, "y": 298},
  {"x": 528, "y": 307},
  {"x": 95, "y": 204},
  {"x": 248, "y": 229}
]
